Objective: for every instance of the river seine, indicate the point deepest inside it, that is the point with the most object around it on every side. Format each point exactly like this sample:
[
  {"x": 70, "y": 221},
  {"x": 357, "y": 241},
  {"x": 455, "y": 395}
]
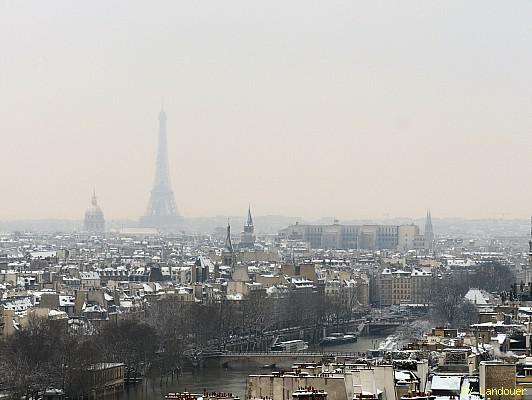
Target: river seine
[{"x": 232, "y": 380}]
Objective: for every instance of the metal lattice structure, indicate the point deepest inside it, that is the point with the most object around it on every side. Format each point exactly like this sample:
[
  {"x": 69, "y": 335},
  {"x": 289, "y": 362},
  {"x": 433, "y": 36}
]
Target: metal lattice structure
[{"x": 161, "y": 212}]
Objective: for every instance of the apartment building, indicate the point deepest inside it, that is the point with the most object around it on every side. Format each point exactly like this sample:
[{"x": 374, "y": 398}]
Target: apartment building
[{"x": 395, "y": 287}]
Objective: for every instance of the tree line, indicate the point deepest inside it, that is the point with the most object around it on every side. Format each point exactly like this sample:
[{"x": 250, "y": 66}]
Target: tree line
[
  {"x": 449, "y": 306},
  {"x": 50, "y": 354},
  {"x": 45, "y": 355}
]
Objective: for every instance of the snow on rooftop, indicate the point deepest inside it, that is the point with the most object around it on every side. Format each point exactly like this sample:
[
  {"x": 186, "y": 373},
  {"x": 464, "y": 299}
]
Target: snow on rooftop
[
  {"x": 89, "y": 275},
  {"x": 402, "y": 376},
  {"x": 500, "y": 338},
  {"x": 66, "y": 301},
  {"x": 477, "y": 296},
  {"x": 442, "y": 382},
  {"x": 57, "y": 314}
]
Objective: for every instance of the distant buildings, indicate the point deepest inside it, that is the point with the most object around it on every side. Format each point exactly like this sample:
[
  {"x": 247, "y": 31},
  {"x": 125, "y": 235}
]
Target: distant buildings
[
  {"x": 409, "y": 238},
  {"x": 367, "y": 237},
  {"x": 94, "y": 220}
]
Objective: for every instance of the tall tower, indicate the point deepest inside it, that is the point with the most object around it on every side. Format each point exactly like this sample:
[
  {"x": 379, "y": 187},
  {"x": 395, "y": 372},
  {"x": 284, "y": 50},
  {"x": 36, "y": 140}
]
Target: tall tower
[
  {"x": 429, "y": 233},
  {"x": 248, "y": 238},
  {"x": 228, "y": 242},
  {"x": 228, "y": 254},
  {"x": 162, "y": 210}
]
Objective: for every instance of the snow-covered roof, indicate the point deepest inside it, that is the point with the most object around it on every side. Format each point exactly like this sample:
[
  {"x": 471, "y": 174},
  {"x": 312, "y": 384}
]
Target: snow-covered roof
[
  {"x": 417, "y": 272},
  {"x": 403, "y": 376},
  {"x": 147, "y": 288},
  {"x": 446, "y": 382},
  {"x": 126, "y": 304},
  {"x": 66, "y": 301},
  {"x": 57, "y": 314},
  {"x": 89, "y": 275},
  {"x": 87, "y": 308},
  {"x": 500, "y": 338},
  {"x": 477, "y": 296}
]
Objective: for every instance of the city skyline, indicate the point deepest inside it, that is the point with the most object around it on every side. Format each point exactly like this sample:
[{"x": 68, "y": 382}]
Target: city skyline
[
  {"x": 308, "y": 119},
  {"x": 229, "y": 200}
]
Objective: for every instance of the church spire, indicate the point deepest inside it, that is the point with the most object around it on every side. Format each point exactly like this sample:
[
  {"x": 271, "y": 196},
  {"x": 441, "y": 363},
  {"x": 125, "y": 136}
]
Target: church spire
[
  {"x": 250, "y": 220},
  {"x": 247, "y": 239},
  {"x": 429, "y": 233},
  {"x": 228, "y": 244},
  {"x": 94, "y": 202}
]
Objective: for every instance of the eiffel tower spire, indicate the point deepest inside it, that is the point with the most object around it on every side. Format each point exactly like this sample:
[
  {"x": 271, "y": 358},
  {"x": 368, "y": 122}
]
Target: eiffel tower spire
[{"x": 161, "y": 212}]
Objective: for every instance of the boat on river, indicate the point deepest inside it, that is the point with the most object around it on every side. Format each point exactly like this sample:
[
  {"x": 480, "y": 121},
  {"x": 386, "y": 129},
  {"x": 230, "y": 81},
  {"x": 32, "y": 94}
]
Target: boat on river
[
  {"x": 338, "y": 338},
  {"x": 290, "y": 346}
]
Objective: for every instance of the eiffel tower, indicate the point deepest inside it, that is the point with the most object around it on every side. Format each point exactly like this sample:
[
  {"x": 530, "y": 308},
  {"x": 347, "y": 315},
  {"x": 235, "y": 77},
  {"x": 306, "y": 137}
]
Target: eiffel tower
[{"x": 162, "y": 210}]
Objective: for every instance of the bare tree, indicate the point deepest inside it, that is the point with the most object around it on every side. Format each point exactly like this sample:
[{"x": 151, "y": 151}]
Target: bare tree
[
  {"x": 130, "y": 342},
  {"x": 449, "y": 307}
]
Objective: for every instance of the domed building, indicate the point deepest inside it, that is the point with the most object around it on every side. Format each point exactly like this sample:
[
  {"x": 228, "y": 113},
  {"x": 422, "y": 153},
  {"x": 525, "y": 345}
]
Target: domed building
[{"x": 94, "y": 220}]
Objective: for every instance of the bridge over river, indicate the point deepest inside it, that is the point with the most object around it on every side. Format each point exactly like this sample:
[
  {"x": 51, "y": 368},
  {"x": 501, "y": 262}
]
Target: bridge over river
[
  {"x": 312, "y": 334},
  {"x": 273, "y": 358},
  {"x": 255, "y": 349}
]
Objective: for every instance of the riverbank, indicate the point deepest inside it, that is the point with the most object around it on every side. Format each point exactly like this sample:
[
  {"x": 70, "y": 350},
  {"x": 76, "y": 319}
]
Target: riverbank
[{"x": 224, "y": 379}]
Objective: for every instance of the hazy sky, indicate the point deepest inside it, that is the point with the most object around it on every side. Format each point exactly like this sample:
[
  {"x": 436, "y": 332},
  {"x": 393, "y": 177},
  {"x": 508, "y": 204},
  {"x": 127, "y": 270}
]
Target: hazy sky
[{"x": 350, "y": 109}]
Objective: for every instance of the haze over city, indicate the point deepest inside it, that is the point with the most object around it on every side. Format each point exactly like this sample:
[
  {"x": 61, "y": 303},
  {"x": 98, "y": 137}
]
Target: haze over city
[
  {"x": 245, "y": 200},
  {"x": 354, "y": 110}
]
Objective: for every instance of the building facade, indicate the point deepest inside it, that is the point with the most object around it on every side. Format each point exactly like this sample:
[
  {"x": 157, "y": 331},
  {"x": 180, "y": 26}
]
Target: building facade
[
  {"x": 366, "y": 237},
  {"x": 396, "y": 287}
]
